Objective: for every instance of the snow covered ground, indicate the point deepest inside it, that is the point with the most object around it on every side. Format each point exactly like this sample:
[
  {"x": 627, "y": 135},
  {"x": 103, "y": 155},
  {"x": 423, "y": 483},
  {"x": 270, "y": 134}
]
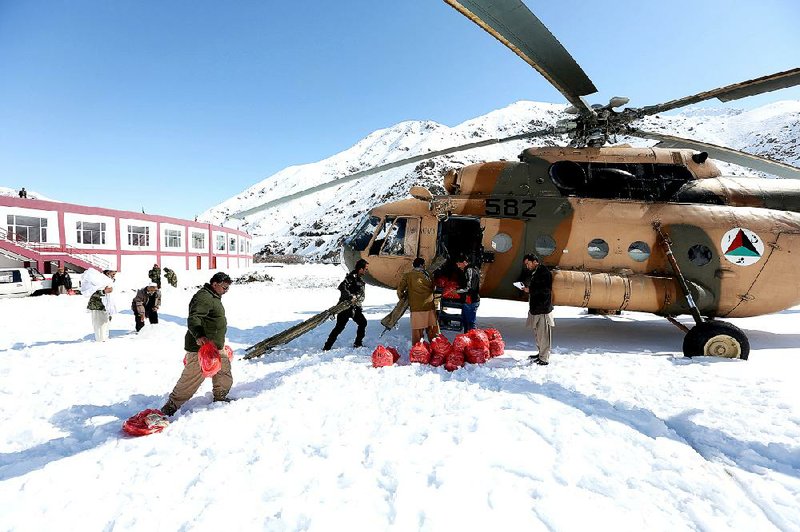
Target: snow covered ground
[{"x": 620, "y": 432}]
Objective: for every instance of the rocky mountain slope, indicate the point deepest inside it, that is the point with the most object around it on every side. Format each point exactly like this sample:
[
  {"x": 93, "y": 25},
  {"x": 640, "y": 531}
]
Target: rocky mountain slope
[{"x": 313, "y": 226}]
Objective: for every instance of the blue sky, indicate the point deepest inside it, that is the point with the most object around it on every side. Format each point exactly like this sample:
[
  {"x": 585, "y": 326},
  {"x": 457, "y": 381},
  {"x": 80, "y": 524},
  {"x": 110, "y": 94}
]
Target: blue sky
[{"x": 175, "y": 106}]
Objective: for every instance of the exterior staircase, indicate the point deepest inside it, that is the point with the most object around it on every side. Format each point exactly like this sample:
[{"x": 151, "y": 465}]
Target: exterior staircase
[{"x": 40, "y": 253}]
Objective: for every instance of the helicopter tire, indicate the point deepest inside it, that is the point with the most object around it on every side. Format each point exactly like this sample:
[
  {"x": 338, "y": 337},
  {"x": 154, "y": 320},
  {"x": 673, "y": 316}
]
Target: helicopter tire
[{"x": 716, "y": 339}]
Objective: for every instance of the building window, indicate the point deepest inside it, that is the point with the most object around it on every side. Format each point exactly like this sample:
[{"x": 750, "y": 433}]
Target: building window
[
  {"x": 172, "y": 238},
  {"x": 91, "y": 232},
  {"x": 232, "y": 247},
  {"x": 26, "y": 228},
  {"x": 138, "y": 235},
  {"x": 198, "y": 240},
  {"x": 220, "y": 242},
  {"x": 241, "y": 246}
]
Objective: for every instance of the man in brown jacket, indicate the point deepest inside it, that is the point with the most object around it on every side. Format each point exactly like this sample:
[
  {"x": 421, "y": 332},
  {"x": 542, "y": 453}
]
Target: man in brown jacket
[
  {"x": 417, "y": 286},
  {"x": 145, "y": 305}
]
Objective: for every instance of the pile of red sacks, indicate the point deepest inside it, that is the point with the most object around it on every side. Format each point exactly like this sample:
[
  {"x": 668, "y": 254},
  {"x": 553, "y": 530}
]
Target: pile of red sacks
[{"x": 476, "y": 347}]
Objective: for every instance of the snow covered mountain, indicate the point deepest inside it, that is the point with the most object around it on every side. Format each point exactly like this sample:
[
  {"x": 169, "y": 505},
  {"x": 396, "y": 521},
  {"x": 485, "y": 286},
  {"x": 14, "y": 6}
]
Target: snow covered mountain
[{"x": 313, "y": 226}]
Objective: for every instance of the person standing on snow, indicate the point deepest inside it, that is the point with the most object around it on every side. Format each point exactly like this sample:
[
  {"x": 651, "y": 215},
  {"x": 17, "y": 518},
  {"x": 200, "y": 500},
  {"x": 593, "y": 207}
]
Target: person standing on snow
[
  {"x": 155, "y": 275},
  {"x": 351, "y": 289},
  {"x": 417, "y": 287},
  {"x": 101, "y": 305},
  {"x": 469, "y": 287},
  {"x": 145, "y": 305},
  {"x": 206, "y": 323},
  {"x": 539, "y": 287}
]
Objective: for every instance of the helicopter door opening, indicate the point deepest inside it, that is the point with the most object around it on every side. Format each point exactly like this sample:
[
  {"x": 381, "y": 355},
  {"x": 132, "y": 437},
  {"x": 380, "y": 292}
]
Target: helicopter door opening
[{"x": 461, "y": 235}]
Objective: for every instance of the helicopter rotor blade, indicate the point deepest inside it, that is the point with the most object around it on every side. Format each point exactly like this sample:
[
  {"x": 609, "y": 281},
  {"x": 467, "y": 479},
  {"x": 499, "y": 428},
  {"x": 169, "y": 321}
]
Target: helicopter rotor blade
[
  {"x": 389, "y": 166},
  {"x": 773, "y": 82},
  {"x": 513, "y": 24},
  {"x": 722, "y": 153}
]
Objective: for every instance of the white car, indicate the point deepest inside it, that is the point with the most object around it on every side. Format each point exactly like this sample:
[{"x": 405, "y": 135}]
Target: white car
[{"x": 21, "y": 282}]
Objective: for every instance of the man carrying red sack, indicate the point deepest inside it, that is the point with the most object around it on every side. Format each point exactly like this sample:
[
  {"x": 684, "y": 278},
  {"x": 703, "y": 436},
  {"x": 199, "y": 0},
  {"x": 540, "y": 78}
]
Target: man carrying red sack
[
  {"x": 206, "y": 323},
  {"x": 469, "y": 288}
]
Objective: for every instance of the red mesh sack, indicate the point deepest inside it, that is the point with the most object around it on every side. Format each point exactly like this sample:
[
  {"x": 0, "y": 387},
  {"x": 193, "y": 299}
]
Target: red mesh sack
[
  {"x": 209, "y": 358},
  {"x": 449, "y": 290},
  {"x": 395, "y": 354},
  {"x": 382, "y": 357},
  {"x": 455, "y": 360},
  {"x": 493, "y": 334},
  {"x": 420, "y": 353},
  {"x": 476, "y": 353},
  {"x": 496, "y": 348},
  {"x": 461, "y": 342},
  {"x": 478, "y": 336},
  {"x": 145, "y": 422},
  {"x": 440, "y": 344}
]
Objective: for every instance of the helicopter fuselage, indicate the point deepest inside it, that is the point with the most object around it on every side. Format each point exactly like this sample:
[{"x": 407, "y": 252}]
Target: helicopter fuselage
[{"x": 590, "y": 214}]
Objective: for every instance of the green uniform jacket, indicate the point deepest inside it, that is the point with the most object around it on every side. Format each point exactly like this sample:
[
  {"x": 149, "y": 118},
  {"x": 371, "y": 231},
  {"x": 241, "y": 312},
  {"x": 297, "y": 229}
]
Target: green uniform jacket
[
  {"x": 206, "y": 318},
  {"x": 96, "y": 301},
  {"x": 418, "y": 287}
]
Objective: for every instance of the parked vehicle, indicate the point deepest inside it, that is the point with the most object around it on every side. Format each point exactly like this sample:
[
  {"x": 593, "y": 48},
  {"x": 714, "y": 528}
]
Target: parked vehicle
[{"x": 21, "y": 282}]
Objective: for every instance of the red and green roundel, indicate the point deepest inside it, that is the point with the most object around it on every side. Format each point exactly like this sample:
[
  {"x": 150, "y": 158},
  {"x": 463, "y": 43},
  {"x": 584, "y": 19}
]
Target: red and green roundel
[{"x": 742, "y": 246}]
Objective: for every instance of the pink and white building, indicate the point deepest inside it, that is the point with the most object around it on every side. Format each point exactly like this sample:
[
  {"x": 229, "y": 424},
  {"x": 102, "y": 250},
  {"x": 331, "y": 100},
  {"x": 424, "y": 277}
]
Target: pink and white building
[{"x": 46, "y": 234}]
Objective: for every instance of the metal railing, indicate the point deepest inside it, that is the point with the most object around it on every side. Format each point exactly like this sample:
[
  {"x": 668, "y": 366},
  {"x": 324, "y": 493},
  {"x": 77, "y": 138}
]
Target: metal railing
[{"x": 43, "y": 248}]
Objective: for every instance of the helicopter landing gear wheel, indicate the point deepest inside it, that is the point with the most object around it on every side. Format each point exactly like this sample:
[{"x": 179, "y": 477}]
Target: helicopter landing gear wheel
[{"x": 716, "y": 339}]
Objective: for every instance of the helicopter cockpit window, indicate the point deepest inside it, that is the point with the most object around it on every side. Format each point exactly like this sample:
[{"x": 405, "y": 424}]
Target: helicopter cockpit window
[
  {"x": 402, "y": 238},
  {"x": 363, "y": 234},
  {"x": 633, "y": 181},
  {"x": 598, "y": 248},
  {"x": 700, "y": 255}
]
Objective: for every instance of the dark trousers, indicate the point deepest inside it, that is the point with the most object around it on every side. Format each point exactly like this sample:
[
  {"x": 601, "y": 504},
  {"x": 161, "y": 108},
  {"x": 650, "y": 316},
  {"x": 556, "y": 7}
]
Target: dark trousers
[
  {"x": 149, "y": 313},
  {"x": 469, "y": 313},
  {"x": 341, "y": 321}
]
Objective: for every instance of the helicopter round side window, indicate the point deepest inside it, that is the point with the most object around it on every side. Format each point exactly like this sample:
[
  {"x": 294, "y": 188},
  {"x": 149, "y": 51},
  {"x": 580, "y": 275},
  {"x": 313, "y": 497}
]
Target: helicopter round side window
[
  {"x": 639, "y": 251},
  {"x": 598, "y": 248},
  {"x": 501, "y": 242},
  {"x": 700, "y": 255},
  {"x": 545, "y": 245}
]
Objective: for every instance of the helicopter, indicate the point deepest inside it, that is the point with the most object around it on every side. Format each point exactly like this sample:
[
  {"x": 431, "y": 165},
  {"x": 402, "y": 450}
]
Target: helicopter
[{"x": 657, "y": 230}]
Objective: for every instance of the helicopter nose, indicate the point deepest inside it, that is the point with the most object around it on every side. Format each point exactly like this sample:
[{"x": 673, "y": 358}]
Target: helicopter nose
[{"x": 349, "y": 256}]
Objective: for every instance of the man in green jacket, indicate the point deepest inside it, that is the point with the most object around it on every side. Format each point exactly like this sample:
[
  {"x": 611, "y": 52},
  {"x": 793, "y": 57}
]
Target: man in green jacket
[
  {"x": 206, "y": 323},
  {"x": 417, "y": 286},
  {"x": 155, "y": 275}
]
